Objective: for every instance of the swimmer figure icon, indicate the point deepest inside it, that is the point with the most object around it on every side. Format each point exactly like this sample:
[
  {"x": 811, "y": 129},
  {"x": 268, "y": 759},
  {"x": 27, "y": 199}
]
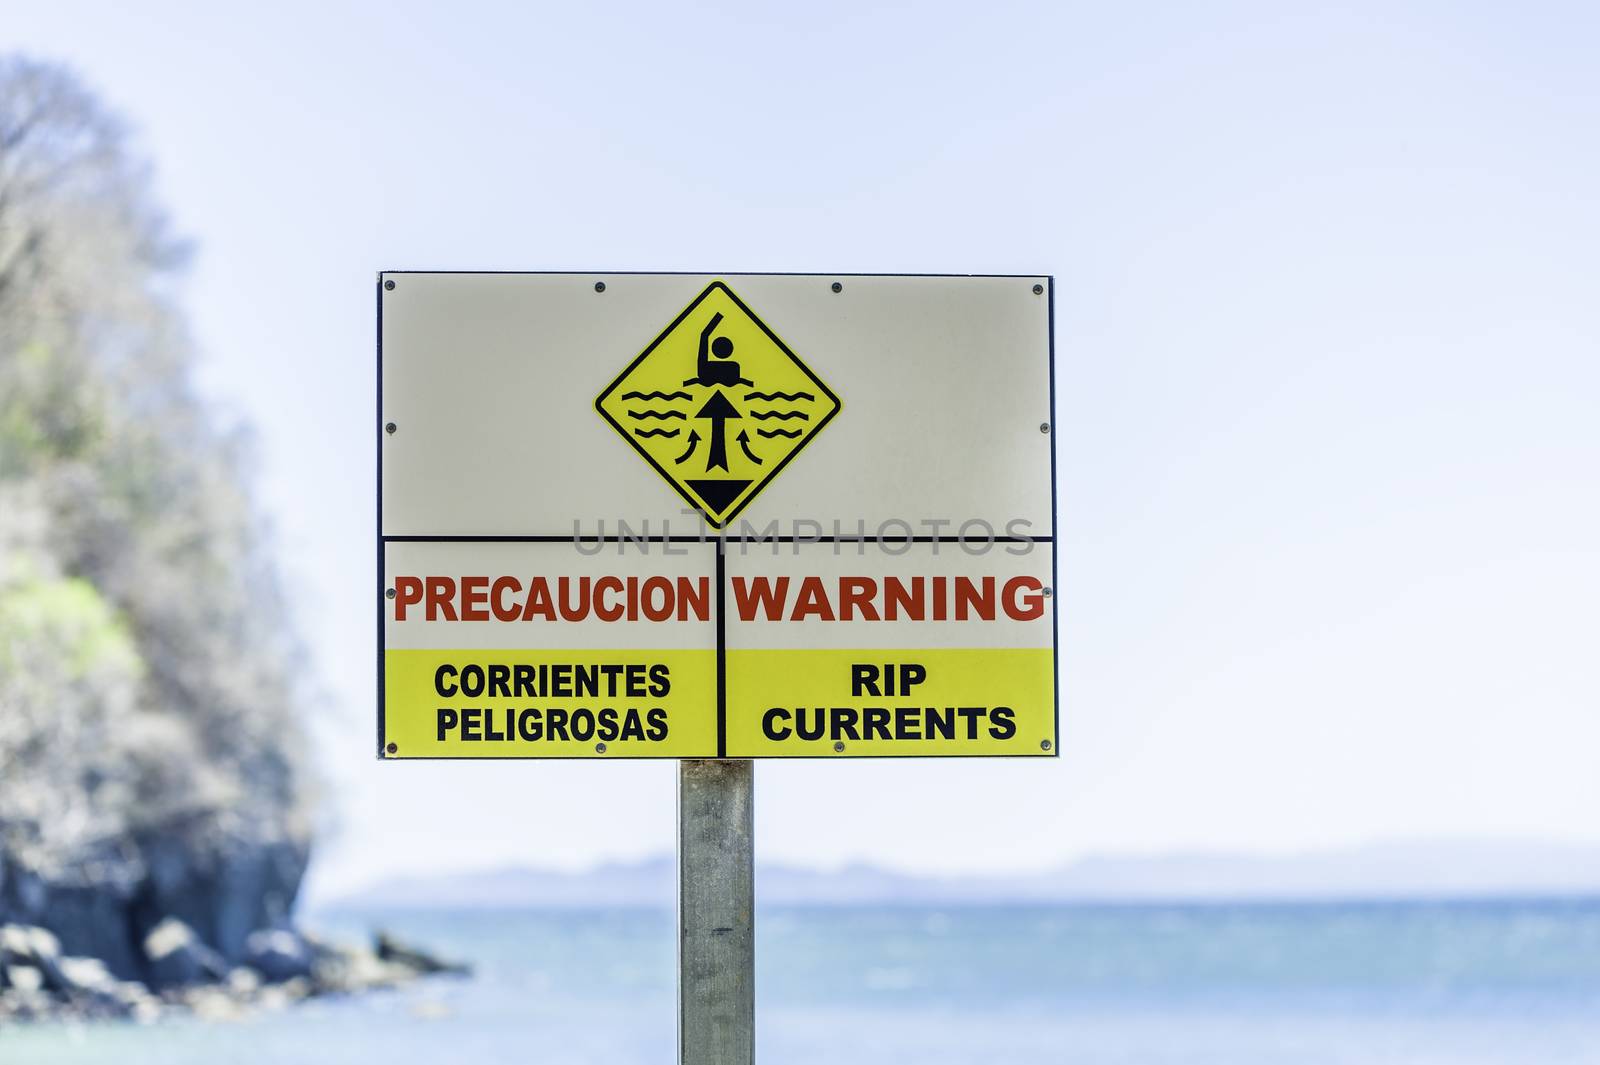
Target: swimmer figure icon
[{"x": 716, "y": 373}]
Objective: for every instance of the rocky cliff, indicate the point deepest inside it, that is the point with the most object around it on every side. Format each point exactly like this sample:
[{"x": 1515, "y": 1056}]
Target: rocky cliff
[{"x": 150, "y": 753}]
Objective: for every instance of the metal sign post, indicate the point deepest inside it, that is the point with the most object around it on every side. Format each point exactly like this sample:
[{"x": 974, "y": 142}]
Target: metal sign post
[
  {"x": 585, "y": 548},
  {"x": 716, "y": 913}
]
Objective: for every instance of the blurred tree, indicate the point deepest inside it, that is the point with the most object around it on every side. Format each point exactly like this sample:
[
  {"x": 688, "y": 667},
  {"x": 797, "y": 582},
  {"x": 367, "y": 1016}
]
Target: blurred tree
[{"x": 148, "y": 733}]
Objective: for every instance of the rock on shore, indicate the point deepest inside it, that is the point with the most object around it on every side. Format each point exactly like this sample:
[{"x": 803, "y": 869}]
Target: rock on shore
[{"x": 183, "y": 974}]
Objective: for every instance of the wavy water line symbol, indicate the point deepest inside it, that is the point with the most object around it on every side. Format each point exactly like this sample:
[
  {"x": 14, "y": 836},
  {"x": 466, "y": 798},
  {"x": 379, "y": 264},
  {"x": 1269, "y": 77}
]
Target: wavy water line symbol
[
  {"x": 749, "y": 396},
  {"x": 782, "y": 416},
  {"x": 655, "y": 395}
]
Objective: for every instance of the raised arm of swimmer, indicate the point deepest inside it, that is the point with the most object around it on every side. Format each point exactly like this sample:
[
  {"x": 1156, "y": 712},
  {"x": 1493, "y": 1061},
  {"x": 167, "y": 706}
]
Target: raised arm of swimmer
[{"x": 704, "y": 365}]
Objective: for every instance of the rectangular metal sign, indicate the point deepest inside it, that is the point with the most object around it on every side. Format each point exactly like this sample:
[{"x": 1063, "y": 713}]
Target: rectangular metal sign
[{"x": 715, "y": 516}]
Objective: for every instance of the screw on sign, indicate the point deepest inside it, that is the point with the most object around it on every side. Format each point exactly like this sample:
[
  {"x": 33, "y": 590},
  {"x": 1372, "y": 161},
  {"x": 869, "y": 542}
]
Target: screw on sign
[{"x": 718, "y": 404}]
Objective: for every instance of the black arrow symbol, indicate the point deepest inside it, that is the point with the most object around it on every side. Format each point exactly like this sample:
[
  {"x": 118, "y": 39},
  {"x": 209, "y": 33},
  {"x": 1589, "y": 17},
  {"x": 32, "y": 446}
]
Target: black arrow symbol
[
  {"x": 694, "y": 438},
  {"x": 744, "y": 442},
  {"x": 719, "y": 410}
]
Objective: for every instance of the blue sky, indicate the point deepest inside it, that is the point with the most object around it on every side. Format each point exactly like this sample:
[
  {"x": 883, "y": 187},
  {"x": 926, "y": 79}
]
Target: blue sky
[{"x": 1329, "y": 362}]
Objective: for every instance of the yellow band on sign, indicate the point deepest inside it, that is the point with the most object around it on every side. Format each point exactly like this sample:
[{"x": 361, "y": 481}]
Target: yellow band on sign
[
  {"x": 550, "y": 704},
  {"x": 970, "y": 701}
]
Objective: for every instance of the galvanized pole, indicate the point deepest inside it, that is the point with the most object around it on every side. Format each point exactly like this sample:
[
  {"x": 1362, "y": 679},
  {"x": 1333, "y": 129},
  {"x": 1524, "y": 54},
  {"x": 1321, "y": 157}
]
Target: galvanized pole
[{"x": 716, "y": 913}]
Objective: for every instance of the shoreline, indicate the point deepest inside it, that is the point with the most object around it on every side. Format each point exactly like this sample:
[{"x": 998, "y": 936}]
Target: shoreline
[{"x": 39, "y": 983}]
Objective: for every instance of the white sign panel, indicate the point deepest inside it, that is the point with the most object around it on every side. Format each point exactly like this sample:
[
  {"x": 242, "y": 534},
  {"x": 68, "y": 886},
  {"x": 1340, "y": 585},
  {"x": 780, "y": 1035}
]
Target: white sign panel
[{"x": 674, "y": 515}]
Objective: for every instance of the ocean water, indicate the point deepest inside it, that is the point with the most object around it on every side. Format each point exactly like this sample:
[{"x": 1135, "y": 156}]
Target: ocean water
[{"x": 1371, "y": 983}]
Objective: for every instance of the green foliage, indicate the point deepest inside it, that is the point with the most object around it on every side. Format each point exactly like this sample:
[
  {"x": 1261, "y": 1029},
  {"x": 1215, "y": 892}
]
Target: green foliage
[
  {"x": 147, "y": 674},
  {"x": 65, "y": 627},
  {"x": 69, "y": 678}
]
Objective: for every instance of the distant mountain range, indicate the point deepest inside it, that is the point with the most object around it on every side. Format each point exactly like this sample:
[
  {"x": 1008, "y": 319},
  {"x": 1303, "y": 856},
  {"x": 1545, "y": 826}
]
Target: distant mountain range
[{"x": 1390, "y": 870}]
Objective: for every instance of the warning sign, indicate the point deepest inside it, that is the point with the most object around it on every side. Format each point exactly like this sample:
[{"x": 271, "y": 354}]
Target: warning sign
[
  {"x": 535, "y": 650},
  {"x": 909, "y": 649},
  {"x": 543, "y": 595},
  {"x": 718, "y": 404}
]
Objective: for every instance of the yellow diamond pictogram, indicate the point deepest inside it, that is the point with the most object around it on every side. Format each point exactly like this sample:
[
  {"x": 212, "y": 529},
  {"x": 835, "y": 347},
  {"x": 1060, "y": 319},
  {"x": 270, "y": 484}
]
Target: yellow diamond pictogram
[{"x": 718, "y": 404}]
